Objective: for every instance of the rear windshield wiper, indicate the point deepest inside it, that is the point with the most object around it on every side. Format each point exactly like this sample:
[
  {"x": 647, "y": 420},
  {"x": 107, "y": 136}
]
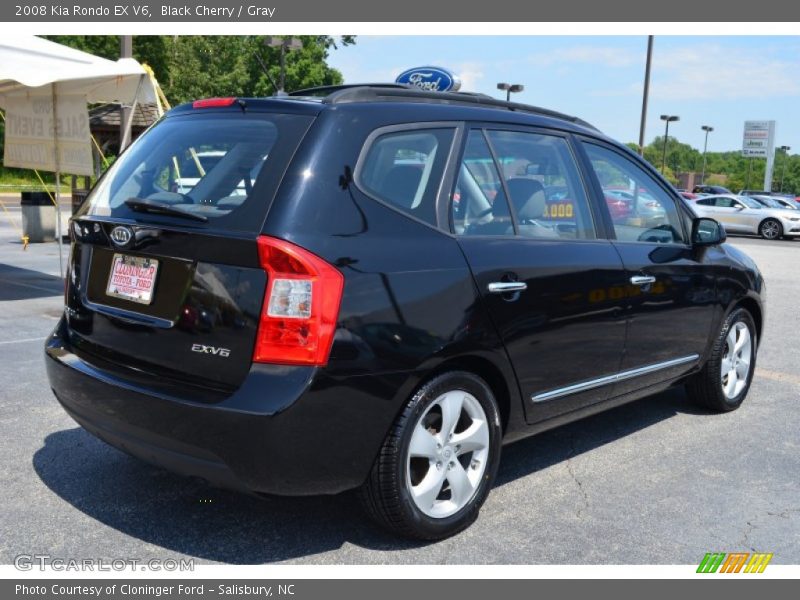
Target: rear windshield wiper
[{"x": 141, "y": 205}]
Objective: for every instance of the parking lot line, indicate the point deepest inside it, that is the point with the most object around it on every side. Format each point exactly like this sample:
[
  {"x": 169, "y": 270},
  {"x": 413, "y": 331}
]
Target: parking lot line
[
  {"x": 778, "y": 376},
  {"x": 29, "y": 285},
  {"x": 36, "y": 339}
]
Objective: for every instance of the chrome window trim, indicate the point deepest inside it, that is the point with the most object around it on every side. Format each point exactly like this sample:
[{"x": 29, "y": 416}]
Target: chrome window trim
[{"x": 621, "y": 376}]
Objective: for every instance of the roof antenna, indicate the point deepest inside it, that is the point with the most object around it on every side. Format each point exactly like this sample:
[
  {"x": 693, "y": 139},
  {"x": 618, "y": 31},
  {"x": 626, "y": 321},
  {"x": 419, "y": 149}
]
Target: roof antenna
[{"x": 263, "y": 65}]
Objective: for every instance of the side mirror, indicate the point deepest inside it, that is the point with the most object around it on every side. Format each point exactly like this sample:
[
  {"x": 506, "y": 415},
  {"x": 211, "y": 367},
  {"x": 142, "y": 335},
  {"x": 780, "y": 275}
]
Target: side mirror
[
  {"x": 739, "y": 207},
  {"x": 707, "y": 232}
]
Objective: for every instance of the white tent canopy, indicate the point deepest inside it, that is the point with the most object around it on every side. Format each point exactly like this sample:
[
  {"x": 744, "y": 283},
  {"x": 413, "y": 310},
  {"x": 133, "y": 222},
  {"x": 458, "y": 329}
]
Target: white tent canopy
[
  {"x": 29, "y": 65},
  {"x": 44, "y": 88}
]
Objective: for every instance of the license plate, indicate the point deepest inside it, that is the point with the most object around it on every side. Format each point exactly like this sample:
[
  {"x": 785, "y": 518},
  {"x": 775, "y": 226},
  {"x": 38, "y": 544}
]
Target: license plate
[{"x": 132, "y": 278}]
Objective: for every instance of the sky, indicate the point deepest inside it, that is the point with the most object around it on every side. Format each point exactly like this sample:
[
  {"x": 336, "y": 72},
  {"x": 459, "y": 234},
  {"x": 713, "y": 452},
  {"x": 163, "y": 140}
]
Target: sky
[{"x": 720, "y": 81}]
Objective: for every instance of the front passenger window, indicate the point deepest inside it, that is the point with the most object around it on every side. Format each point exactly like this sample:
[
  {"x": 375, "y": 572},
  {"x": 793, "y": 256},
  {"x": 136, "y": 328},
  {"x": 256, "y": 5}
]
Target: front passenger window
[{"x": 641, "y": 210}]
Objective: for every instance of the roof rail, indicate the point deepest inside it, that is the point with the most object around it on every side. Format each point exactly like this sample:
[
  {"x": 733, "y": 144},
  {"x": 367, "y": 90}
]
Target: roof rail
[
  {"x": 395, "y": 92},
  {"x": 326, "y": 90}
]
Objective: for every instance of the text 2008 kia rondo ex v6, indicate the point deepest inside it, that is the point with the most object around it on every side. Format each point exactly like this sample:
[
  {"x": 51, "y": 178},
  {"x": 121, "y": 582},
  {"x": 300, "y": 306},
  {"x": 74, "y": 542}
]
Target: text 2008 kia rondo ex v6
[{"x": 375, "y": 287}]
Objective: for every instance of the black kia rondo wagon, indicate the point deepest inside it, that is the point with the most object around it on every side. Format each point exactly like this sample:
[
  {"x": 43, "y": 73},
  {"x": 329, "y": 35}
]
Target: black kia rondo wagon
[{"x": 376, "y": 287}]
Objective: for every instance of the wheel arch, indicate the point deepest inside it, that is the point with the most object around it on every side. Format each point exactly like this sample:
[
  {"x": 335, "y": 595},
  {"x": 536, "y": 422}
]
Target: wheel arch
[
  {"x": 755, "y": 310},
  {"x": 498, "y": 376}
]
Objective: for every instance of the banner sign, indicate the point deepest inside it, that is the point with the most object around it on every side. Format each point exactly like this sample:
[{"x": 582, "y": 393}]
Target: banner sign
[{"x": 30, "y": 140}]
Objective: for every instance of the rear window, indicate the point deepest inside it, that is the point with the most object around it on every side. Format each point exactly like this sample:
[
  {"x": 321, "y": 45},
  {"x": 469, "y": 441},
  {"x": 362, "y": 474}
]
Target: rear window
[{"x": 222, "y": 167}]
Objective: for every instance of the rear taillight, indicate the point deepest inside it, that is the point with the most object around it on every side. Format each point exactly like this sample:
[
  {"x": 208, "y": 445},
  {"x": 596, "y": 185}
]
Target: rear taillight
[{"x": 301, "y": 305}]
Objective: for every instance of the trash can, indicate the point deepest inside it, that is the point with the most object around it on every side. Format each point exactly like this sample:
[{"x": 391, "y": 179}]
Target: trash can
[
  {"x": 78, "y": 196},
  {"x": 38, "y": 217}
]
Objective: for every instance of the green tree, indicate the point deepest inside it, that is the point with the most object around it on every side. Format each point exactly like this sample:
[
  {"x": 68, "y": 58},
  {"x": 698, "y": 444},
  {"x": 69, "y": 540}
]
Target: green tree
[
  {"x": 680, "y": 157},
  {"x": 191, "y": 67}
]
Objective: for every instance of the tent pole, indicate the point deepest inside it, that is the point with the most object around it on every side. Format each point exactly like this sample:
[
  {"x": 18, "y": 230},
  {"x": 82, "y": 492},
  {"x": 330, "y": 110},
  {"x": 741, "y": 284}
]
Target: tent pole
[
  {"x": 127, "y": 123},
  {"x": 59, "y": 236}
]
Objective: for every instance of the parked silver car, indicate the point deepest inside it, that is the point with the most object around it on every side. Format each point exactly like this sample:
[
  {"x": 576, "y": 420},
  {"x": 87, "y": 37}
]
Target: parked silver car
[{"x": 740, "y": 214}]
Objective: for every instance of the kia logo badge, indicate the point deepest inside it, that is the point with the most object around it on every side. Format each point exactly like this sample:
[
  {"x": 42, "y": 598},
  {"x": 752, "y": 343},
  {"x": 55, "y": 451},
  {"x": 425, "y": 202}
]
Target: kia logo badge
[{"x": 121, "y": 236}]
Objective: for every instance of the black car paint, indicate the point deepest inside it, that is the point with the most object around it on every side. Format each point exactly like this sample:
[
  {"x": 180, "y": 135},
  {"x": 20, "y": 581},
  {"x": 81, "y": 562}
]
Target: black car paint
[{"x": 414, "y": 305}]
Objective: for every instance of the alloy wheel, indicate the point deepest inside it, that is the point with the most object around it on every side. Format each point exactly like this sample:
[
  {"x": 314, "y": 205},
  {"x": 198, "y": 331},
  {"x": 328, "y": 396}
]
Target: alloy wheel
[
  {"x": 735, "y": 364},
  {"x": 770, "y": 230},
  {"x": 448, "y": 454}
]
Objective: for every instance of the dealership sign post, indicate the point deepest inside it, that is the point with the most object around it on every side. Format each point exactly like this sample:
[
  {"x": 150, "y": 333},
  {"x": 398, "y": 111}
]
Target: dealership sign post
[{"x": 759, "y": 142}]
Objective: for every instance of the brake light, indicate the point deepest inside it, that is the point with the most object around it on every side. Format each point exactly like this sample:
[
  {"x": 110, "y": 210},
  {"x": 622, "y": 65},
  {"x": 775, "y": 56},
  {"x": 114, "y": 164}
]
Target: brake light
[
  {"x": 212, "y": 102},
  {"x": 301, "y": 305}
]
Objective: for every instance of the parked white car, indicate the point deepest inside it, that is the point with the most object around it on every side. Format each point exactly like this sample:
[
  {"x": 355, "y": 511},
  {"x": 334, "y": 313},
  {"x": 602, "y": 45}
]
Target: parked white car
[{"x": 740, "y": 214}]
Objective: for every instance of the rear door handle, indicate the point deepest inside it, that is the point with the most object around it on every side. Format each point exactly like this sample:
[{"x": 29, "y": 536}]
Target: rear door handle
[
  {"x": 504, "y": 287},
  {"x": 642, "y": 279}
]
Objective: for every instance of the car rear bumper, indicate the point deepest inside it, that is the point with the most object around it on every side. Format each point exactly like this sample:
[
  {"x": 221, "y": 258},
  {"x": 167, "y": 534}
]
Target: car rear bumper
[{"x": 286, "y": 430}]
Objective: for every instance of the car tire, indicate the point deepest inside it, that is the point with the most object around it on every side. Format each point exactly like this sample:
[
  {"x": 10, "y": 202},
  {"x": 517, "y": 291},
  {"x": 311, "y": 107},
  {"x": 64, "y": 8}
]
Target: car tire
[
  {"x": 724, "y": 381},
  {"x": 770, "y": 229},
  {"x": 426, "y": 483}
]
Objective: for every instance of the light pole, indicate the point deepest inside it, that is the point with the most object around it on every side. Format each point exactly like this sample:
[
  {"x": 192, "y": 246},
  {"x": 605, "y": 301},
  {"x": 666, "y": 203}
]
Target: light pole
[
  {"x": 667, "y": 119},
  {"x": 510, "y": 88},
  {"x": 646, "y": 92},
  {"x": 708, "y": 129},
  {"x": 285, "y": 43},
  {"x": 785, "y": 150}
]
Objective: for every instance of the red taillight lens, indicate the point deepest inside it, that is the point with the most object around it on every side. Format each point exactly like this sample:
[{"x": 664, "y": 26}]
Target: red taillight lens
[
  {"x": 301, "y": 305},
  {"x": 212, "y": 102}
]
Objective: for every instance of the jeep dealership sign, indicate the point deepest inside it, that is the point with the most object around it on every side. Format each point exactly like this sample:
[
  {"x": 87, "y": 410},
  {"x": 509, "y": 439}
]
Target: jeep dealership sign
[{"x": 759, "y": 139}]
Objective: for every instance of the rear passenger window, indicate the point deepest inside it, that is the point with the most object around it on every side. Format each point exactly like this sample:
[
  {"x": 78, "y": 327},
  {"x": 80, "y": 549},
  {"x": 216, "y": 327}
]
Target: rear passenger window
[
  {"x": 479, "y": 202},
  {"x": 404, "y": 169},
  {"x": 535, "y": 172},
  {"x": 640, "y": 208},
  {"x": 544, "y": 186}
]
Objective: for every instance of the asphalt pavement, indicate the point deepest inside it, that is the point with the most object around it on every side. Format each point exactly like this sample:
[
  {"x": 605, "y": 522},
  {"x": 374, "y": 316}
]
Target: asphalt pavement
[{"x": 654, "y": 482}]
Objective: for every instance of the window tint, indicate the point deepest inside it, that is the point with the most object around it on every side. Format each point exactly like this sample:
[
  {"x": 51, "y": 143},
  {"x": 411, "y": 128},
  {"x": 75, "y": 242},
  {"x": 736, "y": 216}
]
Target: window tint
[
  {"x": 542, "y": 180},
  {"x": 640, "y": 208},
  {"x": 479, "y": 202},
  {"x": 404, "y": 169},
  {"x": 203, "y": 164},
  {"x": 706, "y": 201}
]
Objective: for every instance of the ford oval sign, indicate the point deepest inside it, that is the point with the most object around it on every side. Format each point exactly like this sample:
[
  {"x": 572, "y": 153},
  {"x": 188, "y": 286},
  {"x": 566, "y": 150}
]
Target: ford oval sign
[{"x": 432, "y": 79}]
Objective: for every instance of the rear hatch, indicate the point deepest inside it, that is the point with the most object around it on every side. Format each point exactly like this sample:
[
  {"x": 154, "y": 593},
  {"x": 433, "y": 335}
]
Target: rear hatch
[{"x": 165, "y": 281}]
